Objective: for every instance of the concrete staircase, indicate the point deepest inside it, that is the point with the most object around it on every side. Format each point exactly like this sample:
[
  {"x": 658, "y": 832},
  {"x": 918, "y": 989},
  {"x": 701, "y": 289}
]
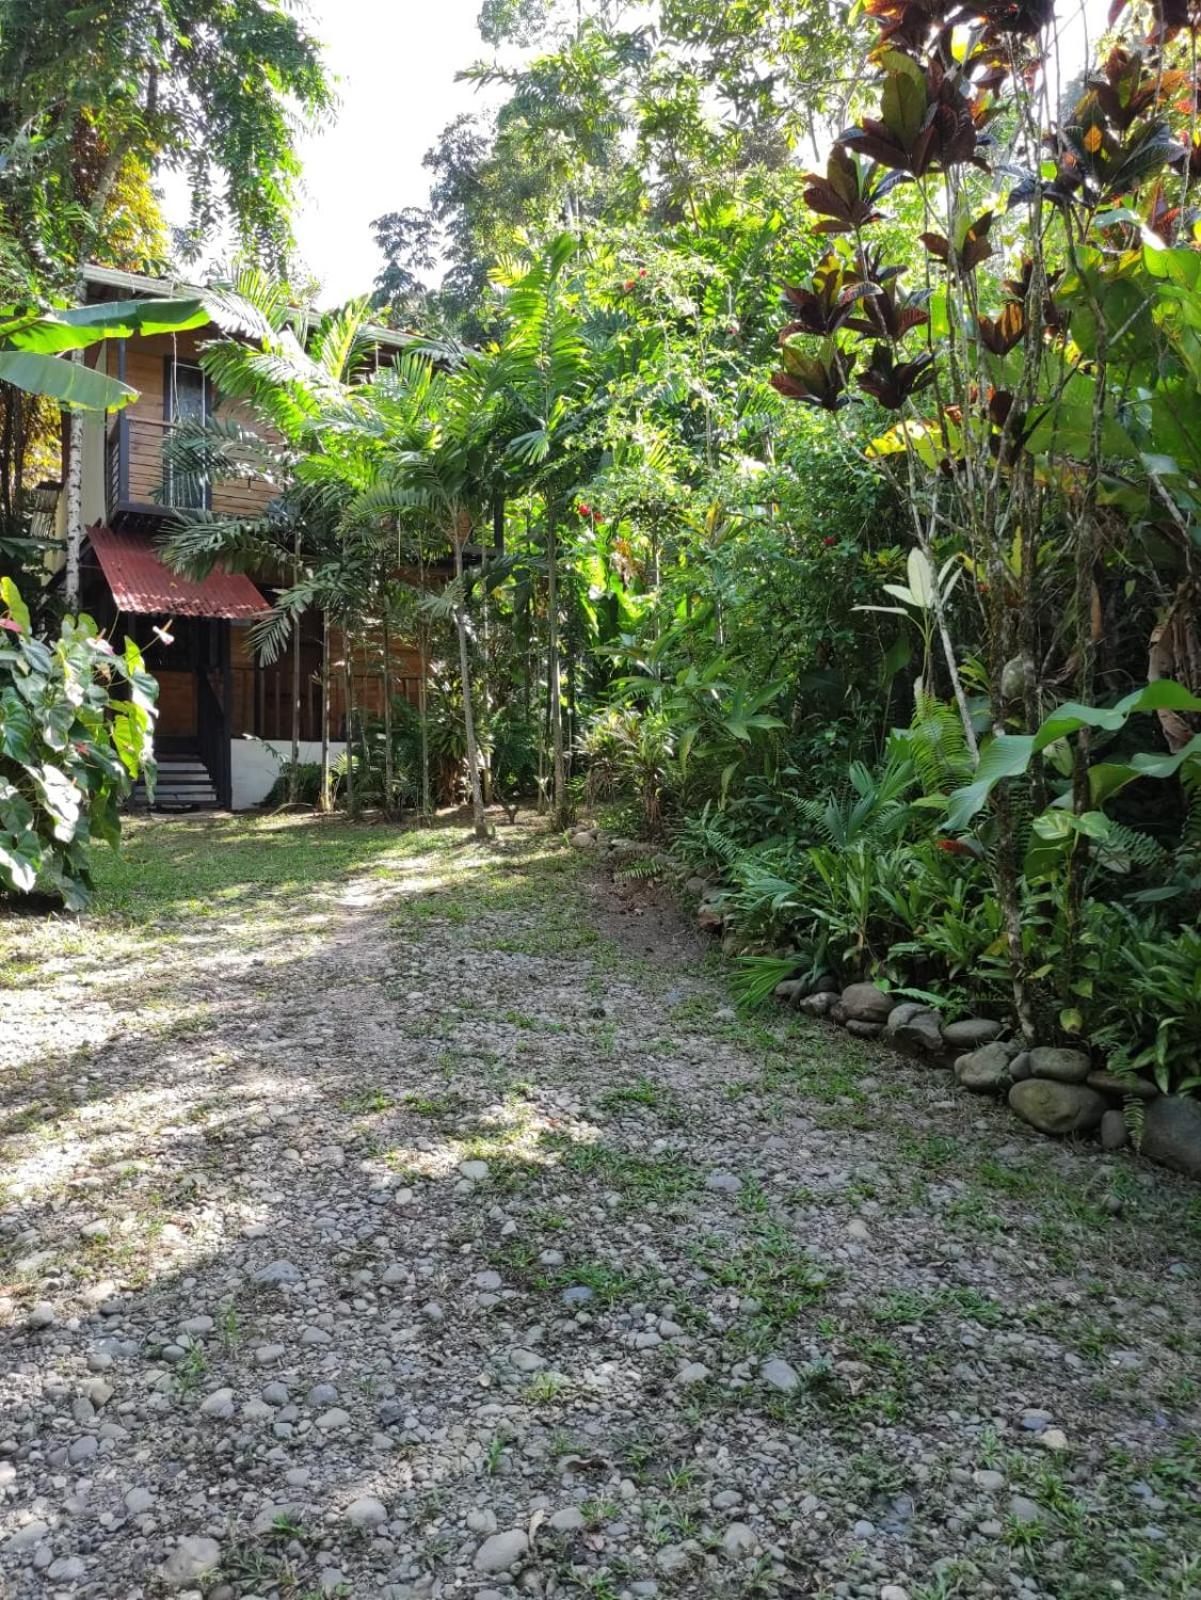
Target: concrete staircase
[{"x": 183, "y": 785}]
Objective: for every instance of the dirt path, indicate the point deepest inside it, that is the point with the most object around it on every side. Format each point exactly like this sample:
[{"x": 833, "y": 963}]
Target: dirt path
[{"x": 387, "y": 1215}]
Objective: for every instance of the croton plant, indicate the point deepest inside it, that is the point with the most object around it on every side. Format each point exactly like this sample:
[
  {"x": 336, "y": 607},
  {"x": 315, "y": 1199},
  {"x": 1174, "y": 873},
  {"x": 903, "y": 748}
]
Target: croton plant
[
  {"x": 75, "y": 726},
  {"x": 1040, "y": 350}
]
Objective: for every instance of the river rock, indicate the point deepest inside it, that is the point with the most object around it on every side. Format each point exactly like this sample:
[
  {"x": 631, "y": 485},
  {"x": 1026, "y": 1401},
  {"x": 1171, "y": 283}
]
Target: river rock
[
  {"x": 971, "y": 1033},
  {"x": 1019, "y": 1067},
  {"x": 1172, "y": 1133},
  {"x": 1054, "y": 1107},
  {"x": 191, "y": 1559},
  {"x": 501, "y": 1551},
  {"x": 1114, "y": 1083},
  {"x": 984, "y": 1070},
  {"x": 864, "y": 1030},
  {"x": 1114, "y": 1133},
  {"x": 792, "y": 991},
  {"x": 865, "y": 1002},
  {"x": 919, "y": 1031},
  {"x": 819, "y": 1004},
  {"x": 1064, "y": 1066}
]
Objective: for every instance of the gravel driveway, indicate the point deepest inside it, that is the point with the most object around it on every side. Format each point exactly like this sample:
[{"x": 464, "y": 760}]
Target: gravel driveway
[{"x": 388, "y": 1214}]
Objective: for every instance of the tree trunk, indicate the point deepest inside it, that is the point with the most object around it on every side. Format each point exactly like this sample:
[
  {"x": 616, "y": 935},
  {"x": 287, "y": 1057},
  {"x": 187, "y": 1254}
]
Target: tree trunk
[
  {"x": 74, "y": 493},
  {"x": 389, "y": 759},
  {"x": 348, "y": 674},
  {"x": 323, "y": 800},
  {"x": 554, "y": 686},
  {"x": 294, "y": 774},
  {"x": 423, "y": 723},
  {"x": 479, "y": 821}
]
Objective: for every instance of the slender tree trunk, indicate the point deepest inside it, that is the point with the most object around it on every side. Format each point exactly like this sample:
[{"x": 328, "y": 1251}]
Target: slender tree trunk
[
  {"x": 323, "y": 800},
  {"x": 559, "y": 764},
  {"x": 294, "y": 774},
  {"x": 479, "y": 821},
  {"x": 423, "y": 704},
  {"x": 348, "y": 674},
  {"x": 389, "y": 760},
  {"x": 74, "y": 492}
]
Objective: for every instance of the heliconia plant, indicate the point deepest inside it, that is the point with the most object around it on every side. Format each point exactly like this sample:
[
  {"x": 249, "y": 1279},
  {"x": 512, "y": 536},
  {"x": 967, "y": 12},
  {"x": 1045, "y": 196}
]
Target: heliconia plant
[
  {"x": 1046, "y": 385},
  {"x": 75, "y": 734}
]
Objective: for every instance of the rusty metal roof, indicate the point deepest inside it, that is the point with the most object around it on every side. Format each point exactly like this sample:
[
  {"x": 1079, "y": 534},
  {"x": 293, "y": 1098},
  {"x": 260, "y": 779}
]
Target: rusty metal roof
[{"x": 141, "y": 583}]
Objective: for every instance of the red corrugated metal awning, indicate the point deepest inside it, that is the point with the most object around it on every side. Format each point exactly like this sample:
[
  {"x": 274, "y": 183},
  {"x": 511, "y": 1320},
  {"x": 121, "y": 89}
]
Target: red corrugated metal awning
[{"x": 141, "y": 583}]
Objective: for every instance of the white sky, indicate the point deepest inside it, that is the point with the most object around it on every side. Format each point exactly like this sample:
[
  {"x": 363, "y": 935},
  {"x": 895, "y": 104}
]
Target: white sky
[{"x": 395, "y": 63}]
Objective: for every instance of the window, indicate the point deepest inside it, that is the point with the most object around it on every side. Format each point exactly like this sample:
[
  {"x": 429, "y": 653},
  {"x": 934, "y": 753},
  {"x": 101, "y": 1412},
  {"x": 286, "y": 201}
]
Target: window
[{"x": 188, "y": 400}]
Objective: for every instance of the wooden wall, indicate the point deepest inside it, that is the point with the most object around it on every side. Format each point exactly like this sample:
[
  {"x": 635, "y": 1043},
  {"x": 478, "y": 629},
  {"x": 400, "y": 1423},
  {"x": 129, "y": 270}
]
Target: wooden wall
[
  {"x": 262, "y": 695},
  {"x": 147, "y": 369}
]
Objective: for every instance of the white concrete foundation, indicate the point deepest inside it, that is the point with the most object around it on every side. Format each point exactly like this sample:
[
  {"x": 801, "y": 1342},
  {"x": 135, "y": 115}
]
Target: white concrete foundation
[{"x": 255, "y": 763}]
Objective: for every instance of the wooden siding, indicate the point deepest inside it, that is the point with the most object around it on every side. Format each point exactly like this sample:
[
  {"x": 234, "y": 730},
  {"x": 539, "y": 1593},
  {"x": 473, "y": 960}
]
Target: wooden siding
[
  {"x": 147, "y": 368},
  {"x": 262, "y": 695}
]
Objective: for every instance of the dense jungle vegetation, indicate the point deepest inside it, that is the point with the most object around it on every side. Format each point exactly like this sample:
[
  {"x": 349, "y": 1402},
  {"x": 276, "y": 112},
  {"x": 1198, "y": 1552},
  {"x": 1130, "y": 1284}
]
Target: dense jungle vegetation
[{"x": 800, "y": 455}]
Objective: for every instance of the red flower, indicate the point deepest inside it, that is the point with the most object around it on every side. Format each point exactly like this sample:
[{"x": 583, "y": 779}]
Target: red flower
[
  {"x": 7, "y": 622},
  {"x": 830, "y": 539},
  {"x": 583, "y": 510},
  {"x": 642, "y": 272},
  {"x": 954, "y": 847}
]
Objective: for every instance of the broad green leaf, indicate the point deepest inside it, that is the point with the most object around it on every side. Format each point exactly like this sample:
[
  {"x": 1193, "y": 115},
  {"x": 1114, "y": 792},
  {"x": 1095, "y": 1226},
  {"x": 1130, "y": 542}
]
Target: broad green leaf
[
  {"x": 68, "y": 382},
  {"x": 921, "y": 580},
  {"x": 14, "y": 605}
]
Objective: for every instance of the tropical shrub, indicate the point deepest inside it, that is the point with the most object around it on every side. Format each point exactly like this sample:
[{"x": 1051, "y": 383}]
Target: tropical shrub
[{"x": 75, "y": 725}]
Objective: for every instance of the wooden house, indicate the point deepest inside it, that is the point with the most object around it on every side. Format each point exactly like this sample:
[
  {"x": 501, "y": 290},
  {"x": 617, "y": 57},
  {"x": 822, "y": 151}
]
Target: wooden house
[{"x": 224, "y": 718}]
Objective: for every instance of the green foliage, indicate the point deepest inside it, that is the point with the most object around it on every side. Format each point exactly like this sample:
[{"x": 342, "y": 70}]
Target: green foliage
[{"x": 75, "y": 721}]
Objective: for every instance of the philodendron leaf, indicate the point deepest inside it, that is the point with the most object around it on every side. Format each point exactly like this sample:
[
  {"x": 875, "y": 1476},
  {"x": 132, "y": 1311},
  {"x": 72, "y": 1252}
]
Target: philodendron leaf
[
  {"x": 17, "y": 610},
  {"x": 1009, "y": 754}
]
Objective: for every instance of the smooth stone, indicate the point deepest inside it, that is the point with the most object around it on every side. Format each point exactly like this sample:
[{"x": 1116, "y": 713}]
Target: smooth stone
[
  {"x": 864, "y": 1030},
  {"x": 332, "y": 1420},
  {"x": 984, "y": 1071},
  {"x": 901, "y": 1014},
  {"x": 219, "y": 1405},
  {"x": 1063, "y": 1066},
  {"x": 1019, "y": 1067},
  {"x": 367, "y": 1512},
  {"x": 971, "y": 1033},
  {"x": 192, "y": 1558},
  {"x": 41, "y": 1315},
  {"x": 1172, "y": 1133},
  {"x": 501, "y": 1551},
  {"x": 723, "y": 1182},
  {"x": 279, "y": 1272},
  {"x": 1057, "y": 1108},
  {"x": 473, "y": 1171},
  {"x": 820, "y": 1004},
  {"x": 694, "y": 1372},
  {"x": 67, "y": 1569},
  {"x": 578, "y": 1295},
  {"x": 866, "y": 1002},
  {"x": 920, "y": 1031},
  {"x": 138, "y": 1501},
  {"x": 569, "y": 1520},
  {"x": 26, "y": 1536},
  {"x": 1115, "y": 1135},
  {"x": 779, "y": 1375},
  {"x": 739, "y": 1540},
  {"x": 1114, "y": 1083},
  {"x": 525, "y": 1360}
]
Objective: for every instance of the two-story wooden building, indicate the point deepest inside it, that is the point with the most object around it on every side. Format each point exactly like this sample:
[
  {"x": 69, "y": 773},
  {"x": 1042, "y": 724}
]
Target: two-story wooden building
[{"x": 224, "y": 719}]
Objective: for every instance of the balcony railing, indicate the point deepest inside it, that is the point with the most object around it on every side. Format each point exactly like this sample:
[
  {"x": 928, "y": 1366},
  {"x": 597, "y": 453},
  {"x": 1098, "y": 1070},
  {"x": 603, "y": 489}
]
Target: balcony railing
[{"x": 139, "y": 484}]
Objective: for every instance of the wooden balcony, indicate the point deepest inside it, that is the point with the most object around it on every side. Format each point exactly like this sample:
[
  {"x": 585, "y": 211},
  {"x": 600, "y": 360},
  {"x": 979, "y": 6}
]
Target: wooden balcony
[{"x": 139, "y": 490}]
